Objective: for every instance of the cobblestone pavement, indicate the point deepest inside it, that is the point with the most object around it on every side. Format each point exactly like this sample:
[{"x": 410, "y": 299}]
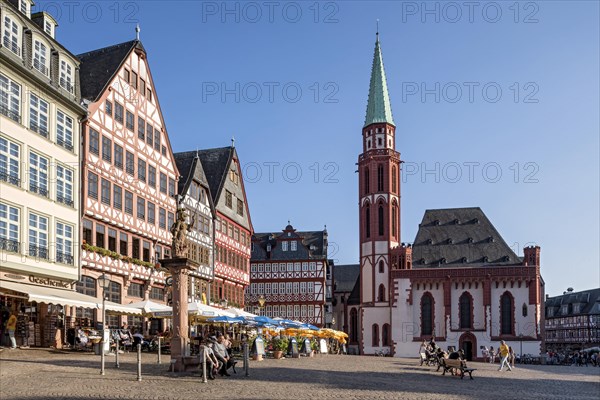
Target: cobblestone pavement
[{"x": 44, "y": 374}]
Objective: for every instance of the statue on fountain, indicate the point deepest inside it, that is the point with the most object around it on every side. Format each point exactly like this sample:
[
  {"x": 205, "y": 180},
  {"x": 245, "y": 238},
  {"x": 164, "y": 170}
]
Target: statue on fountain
[{"x": 179, "y": 231}]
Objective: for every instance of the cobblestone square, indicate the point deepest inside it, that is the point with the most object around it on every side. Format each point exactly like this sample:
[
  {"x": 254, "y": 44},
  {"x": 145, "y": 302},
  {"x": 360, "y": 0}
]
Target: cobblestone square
[{"x": 44, "y": 374}]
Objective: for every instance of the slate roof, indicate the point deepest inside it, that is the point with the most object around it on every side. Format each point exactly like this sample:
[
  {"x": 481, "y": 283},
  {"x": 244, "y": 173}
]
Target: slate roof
[
  {"x": 354, "y": 298},
  {"x": 215, "y": 163},
  {"x": 461, "y": 238},
  {"x": 188, "y": 163},
  {"x": 99, "y": 66},
  {"x": 379, "y": 108},
  {"x": 344, "y": 277},
  {"x": 315, "y": 239},
  {"x": 590, "y": 299}
]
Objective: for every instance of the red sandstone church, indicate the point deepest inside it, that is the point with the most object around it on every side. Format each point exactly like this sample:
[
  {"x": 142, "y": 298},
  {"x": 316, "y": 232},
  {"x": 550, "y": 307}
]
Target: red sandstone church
[{"x": 458, "y": 282}]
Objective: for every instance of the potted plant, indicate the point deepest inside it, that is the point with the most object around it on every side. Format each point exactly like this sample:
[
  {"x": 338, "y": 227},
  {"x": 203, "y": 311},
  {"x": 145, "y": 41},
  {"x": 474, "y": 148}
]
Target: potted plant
[
  {"x": 279, "y": 345},
  {"x": 314, "y": 344}
]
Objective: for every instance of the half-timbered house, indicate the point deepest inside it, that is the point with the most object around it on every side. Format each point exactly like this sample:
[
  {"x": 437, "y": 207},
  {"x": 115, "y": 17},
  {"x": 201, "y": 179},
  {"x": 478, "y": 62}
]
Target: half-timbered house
[
  {"x": 233, "y": 226},
  {"x": 129, "y": 178},
  {"x": 289, "y": 270},
  {"x": 194, "y": 196}
]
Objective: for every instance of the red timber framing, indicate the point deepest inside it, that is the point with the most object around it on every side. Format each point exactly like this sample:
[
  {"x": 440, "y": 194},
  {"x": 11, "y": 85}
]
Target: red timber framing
[{"x": 129, "y": 175}]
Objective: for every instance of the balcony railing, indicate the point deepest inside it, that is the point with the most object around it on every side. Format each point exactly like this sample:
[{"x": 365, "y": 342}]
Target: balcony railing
[
  {"x": 39, "y": 252},
  {"x": 9, "y": 178},
  {"x": 66, "y": 201},
  {"x": 40, "y": 130},
  {"x": 66, "y": 85},
  {"x": 10, "y": 245},
  {"x": 66, "y": 145},
  {"x": 64, "y": 258},
  {"x": 40, "y": 67},
  {"x": 12, "y": 46},
  {"x": 14, "y": 115},
  {"x": 39, "y": 190}
]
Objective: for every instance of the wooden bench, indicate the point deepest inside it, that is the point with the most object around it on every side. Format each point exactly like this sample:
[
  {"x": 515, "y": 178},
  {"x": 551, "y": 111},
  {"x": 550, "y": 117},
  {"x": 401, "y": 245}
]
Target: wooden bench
[{"x": 459, "y": 365}]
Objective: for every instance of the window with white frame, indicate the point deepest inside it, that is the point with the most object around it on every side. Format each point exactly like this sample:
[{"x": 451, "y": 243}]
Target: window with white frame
[
  {"x": 270, "y": 311},
  {"x": 304, "y": 266},
  {"x": 10, "y": 98},
  {"x": 9, "y": 228},
  {"x": 296, "y": 288},
  {"x": 253, "y": 268},
  {"x": 290, "y": 267},
  {"x": 38, "y": 174},
  {"x": 66, "y": 76},
  {"x": 297, "y": 311},
  {"x": 310, "y": 287},
  {"x": 281, "y": 287},
  {"x": 297, "y": 267},
  {"x": 9, "y": 162},
  {"x": 38, "y": 236},
  {"x": 290, "y": 311},
  {"x": 261, "y": 288},
  {"x": 302, "y": 287},
  {"x": 10, "y": 34},
  {"x": 64, "y": 130},
  {"x": 311, "y": 311},
  {"x": 303, "y": 311},
  {"x": 293, "y": 245},
  {"x": 313, "y": 266},
  {"x": 284, "y": 246},
  {"x": 64, "y": 243},
  {"x": 48, "y": 28},
  {"x": 64, "y": 185},
  {"x": 40, "y": 57},
  {"x": 24, "y": 7},
  {"x": 268, "y": 268},
  {"x": 274, "y": 288},
  {"x": 261, "y": 267},
  {"x": 288, "y": 288},
  {"x": 268, "y": 288},
  {"x": 38, "y": 115}
]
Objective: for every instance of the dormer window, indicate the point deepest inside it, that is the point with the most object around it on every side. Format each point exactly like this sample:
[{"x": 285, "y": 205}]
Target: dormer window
[
  {"x": 284, "y": 246},
  {"x": 24, "y": 6},
  {"x": 10, "y": 35},
  {"x": 66, "y": 76},
  {"x": 49, "y": 28},
  {"x": 40, "y": 57},
  {"x": 268, "y": 247},
  {"x": 293, "y": 245}
]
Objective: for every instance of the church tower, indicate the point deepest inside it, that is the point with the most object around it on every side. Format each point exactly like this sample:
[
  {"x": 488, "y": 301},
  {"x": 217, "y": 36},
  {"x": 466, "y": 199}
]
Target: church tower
[{"x": 379, "y": 207}]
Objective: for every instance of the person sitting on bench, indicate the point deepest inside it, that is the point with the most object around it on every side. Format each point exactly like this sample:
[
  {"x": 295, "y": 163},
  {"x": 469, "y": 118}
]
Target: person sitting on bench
[
  {"x": 212, "y": 363},
  {"x": 221, "y": 354}
]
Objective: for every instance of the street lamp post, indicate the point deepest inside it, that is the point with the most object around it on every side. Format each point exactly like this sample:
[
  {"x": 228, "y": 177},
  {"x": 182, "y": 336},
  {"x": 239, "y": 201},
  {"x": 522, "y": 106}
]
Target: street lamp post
[
  {"x": 521, "y": 349},
  {"x": 261, "y": 303},
  {"x": 104, "y": 281}
]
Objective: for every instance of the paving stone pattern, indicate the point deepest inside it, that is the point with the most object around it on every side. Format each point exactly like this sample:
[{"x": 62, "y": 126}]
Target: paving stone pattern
[{"x": 45, "y": 374}]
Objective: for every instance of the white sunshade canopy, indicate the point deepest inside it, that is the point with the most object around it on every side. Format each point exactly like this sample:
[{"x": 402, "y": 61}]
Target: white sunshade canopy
[
  {"x": 203, "y": 310},
  {"x": 150, "y": 307},
  {"x": 50, "y": 295}
]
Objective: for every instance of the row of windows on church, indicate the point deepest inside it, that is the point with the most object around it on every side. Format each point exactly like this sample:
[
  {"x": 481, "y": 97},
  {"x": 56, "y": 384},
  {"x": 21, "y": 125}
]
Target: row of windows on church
[
  {"x": 465, "y": 313},
  {"x": 380, "y": 180},
  {"x": 381, "y": 220}
]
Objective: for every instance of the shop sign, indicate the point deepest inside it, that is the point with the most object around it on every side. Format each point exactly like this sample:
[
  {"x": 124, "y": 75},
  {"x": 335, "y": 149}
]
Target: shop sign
[
  {"x": 12, "y": 276},
  {"x": 50, "y": 282}
]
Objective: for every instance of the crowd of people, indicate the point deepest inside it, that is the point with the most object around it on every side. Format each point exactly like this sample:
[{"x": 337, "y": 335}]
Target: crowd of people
[{"x": 573, "y": 358}]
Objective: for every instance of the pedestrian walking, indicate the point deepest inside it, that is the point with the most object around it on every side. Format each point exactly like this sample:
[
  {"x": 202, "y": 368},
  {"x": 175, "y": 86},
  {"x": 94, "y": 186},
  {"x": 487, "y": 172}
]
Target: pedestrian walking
[
  {"x": 11, "y": 327},
  {"x": 511, "y": 357},
  {"x": 504, "y": 353}
]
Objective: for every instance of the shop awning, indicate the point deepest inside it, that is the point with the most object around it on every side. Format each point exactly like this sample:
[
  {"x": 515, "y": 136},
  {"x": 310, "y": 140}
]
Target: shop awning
[
  {"x": 49, "y": 295},
  {"x": 115, "y": 308}
]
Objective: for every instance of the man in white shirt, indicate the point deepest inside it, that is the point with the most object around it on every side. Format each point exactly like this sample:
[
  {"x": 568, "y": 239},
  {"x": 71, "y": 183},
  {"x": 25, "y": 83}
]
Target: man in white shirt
[{"x": 222, "y": 355}]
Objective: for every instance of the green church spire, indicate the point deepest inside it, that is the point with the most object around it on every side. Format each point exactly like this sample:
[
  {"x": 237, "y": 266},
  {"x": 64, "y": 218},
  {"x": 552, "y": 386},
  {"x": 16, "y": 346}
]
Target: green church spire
[{"x": 379, "y": 108}]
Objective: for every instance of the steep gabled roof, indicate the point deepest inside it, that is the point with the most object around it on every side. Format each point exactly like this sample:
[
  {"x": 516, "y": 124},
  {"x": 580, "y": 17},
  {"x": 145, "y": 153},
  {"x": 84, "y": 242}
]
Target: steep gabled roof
[
  {"x": 379, "y": 108},
  {"x": 189, "y": 166},
  {"x": 460, "y": 237},
  {"x": 344, "y": 277},
  {"x": 354, "y": 298},
  {"x": 99, "y": 66},
  {"x": 313, "y": 245},
  {"x": 215, "y": 163}
]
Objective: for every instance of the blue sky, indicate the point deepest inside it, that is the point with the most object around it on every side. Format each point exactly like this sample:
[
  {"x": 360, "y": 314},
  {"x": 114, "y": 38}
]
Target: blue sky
[{"x": 499, "y": 102}]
